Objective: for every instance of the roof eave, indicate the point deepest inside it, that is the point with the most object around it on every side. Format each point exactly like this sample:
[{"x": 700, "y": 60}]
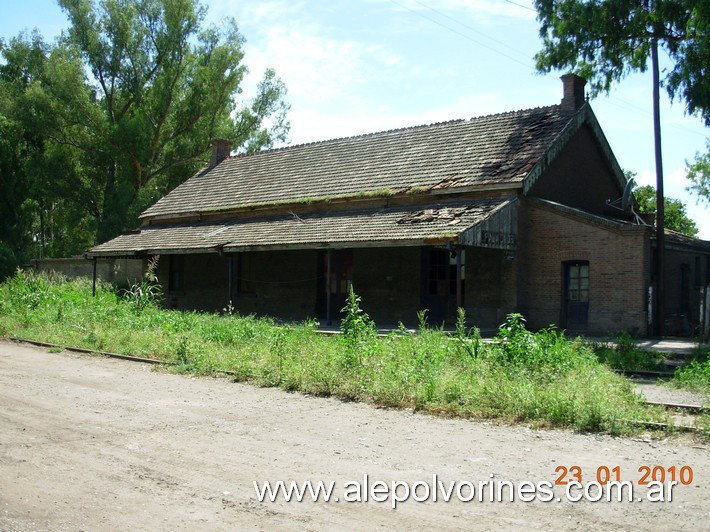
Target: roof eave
[{"x": 600, "y": 221}]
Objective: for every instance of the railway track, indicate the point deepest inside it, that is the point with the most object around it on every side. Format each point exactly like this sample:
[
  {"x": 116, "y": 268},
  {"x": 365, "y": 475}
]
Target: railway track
[{"x": 687, "y": 409}]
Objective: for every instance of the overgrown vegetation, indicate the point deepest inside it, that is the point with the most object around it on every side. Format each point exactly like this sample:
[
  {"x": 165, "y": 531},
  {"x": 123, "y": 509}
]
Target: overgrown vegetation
[
  {"x": 624, "y": 353},
  {"x": 696, "y": 375},
  {"x": 540, "y": 378}
]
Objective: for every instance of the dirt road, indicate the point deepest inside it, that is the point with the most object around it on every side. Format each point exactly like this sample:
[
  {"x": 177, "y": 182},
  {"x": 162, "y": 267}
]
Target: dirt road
[{"x": 88, "y": 443}]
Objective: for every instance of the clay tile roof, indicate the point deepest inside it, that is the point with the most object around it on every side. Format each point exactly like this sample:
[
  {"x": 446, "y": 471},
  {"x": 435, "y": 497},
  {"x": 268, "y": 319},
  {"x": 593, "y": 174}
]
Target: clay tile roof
[
  {"x": 488, "y": 150},
  {"x": 376, "y": 226}
]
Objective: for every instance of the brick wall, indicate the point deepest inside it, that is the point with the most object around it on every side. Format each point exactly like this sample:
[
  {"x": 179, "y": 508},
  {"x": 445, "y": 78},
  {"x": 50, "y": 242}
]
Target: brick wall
[
  {"x": 618, "y": 268},
  {"x": 279, "y": 283},
  {"x": 389, "y": 282},
  {"x": 121, "y": 272},
  {"x": 490, "y": 291},
  {"x": 567, "y": 180},
  {"x": 266, "y": 283},
  {"x": 204, "y": 282},
  {"x": 683, "y": 309}
]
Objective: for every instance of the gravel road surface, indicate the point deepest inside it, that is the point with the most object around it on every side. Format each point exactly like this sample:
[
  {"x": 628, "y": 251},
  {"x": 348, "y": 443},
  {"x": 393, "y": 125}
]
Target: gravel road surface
[{"x": 89, "y": 443}]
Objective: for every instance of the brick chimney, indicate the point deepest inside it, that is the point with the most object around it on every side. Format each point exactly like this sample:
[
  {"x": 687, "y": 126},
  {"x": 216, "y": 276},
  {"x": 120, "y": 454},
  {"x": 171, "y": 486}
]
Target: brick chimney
[
  {"x": 221, "y": 148},
  {"x": 573, "y": 94}
]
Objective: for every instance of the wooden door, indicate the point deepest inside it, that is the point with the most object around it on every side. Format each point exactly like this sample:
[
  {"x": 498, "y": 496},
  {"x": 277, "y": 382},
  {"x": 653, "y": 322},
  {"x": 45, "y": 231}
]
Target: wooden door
[{"x": 576, "y": 295}]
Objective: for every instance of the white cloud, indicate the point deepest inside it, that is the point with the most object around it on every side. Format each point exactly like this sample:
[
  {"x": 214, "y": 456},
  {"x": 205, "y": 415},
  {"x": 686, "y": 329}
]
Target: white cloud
[
  {"x": 316, "y": 67},
  {"x": 259, "y": 13},
  {"x": 674, "y": 182}
]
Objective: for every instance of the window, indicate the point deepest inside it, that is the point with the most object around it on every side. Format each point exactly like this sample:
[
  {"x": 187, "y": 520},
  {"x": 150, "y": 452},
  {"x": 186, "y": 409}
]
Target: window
[
  {"x": 438, "y": 271},
  {"x": 578, "y": 282},
  {"x": 441, "y": 278}
]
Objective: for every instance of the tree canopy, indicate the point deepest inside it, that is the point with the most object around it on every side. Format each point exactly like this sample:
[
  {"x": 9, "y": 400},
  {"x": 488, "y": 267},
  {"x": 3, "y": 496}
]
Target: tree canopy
[
  {"x": 118, "y": 111},
  {"x": 699, "y": 175},
  {"x": 604, "y": 40},
  {"x": 677, "y": 218}
]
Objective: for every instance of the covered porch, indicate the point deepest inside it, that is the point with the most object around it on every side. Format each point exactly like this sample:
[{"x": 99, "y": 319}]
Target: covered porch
[{"x": 399, "y": 259}]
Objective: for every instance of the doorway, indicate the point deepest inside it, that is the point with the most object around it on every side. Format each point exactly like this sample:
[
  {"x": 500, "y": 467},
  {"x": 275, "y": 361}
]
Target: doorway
[
  {"x": 334, "y": 289},
  {"x": 575, "y": 310},
  {"x": 440, "y": 280}
]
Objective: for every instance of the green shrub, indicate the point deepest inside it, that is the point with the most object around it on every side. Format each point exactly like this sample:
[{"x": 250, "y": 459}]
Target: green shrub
[
  {"x": 356, "y": 325},
  {"x": 358, "y": 331},
  {"x": 695, "y": 376},
  {"x": 148, "y": 293}
]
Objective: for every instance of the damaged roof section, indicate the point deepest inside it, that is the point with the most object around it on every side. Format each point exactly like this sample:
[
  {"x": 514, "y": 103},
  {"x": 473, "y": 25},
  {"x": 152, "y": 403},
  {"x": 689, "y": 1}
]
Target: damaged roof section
[
  {"x": 450, "y": 216},
  {"x": 488, "y": 151}
]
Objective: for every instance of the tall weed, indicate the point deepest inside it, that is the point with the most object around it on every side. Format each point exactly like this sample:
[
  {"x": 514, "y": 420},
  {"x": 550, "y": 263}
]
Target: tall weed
[
  {"x": 535, "y": 377},
  {"x": 625, "y": 354}
]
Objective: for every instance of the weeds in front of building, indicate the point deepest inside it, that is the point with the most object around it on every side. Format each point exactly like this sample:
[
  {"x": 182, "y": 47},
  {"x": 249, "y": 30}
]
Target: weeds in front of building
[
  {"x": 625, "y": 354},
  {"x": 542, "y": 378},
  {"x": 695, "y": 376}
]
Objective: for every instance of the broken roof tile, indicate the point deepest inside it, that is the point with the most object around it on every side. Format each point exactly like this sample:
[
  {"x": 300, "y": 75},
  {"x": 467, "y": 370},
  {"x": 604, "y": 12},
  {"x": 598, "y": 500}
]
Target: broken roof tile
[{"x": 499, "y": 148}]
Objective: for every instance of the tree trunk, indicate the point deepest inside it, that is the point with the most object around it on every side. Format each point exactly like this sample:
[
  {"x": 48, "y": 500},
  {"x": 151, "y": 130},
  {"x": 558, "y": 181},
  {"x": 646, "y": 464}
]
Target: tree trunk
[{"x": 103, "y": 229}]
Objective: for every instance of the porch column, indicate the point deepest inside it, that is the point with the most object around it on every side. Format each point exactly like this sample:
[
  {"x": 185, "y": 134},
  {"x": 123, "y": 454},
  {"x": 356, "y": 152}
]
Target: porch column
[
  {"x": 459, "y": 284},
  {"x": 93, "y": 279},
  {"x": 230, "y": 275},
  {"x": 328, "y": 321}
]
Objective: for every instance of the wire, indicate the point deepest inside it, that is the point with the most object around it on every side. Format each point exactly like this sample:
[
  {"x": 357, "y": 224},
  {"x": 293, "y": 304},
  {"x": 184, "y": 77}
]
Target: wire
[
  {"x": 441, "y": 13},
  {"x": 625, "y": 104},
  {"x": 612, "y": 99},
  {"x": 291, "y": 281},
  {"x": 522, "y": 6},
  {"x": 467, "y": 37}
]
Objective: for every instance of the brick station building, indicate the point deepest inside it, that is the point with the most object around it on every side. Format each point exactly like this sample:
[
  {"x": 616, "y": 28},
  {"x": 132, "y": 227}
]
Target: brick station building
[{"x": 512, "y": 212}]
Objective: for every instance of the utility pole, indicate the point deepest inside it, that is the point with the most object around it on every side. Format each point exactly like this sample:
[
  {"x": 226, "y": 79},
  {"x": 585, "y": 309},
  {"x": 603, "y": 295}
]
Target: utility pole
[{"x": 660, "y": 203}]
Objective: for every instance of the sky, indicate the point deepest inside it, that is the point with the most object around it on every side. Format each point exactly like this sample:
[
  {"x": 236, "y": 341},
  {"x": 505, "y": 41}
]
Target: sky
[{"x": 360, "y": 66}]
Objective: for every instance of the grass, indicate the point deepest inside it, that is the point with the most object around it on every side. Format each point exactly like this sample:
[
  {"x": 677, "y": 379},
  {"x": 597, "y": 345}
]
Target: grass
[
  {"x": 624, "y": 353},
  {"x": 540, "y": 378},
  {"x": 695, "y": 376}
]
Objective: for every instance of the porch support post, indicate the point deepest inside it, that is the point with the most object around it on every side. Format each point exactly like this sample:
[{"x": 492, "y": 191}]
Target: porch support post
[
  {"x": 459, "y": 284},
  {"x": 93, "y": 279},
  {"x": 327, "y": 289},
  {"x": 230, "y": 275}
]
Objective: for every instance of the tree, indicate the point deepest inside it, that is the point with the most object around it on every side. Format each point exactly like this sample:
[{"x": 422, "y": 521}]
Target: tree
[
  {"x": 113, "y": 115},
  {"x": 603, "y": 40},
  {"x": 677, "y": 217},
  {"x": 28, "y": 160},
  {"x": 117, "y": 112},
  {"x": 699, "y": 175},
  {"x": 161, "y": 86}
]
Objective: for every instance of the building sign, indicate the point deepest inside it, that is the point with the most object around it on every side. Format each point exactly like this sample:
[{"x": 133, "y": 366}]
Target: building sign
[{"x": 497, "y": 239}]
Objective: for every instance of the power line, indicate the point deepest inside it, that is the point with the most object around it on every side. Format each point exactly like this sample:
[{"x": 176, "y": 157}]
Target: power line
[
  {"x": 625, "y": 104},
  {"x": 522, "y": 6},
  {"x": 621, "y": 102},
  {"x": 467, "y": 37},
  {"x": 441, "y": 13}
]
